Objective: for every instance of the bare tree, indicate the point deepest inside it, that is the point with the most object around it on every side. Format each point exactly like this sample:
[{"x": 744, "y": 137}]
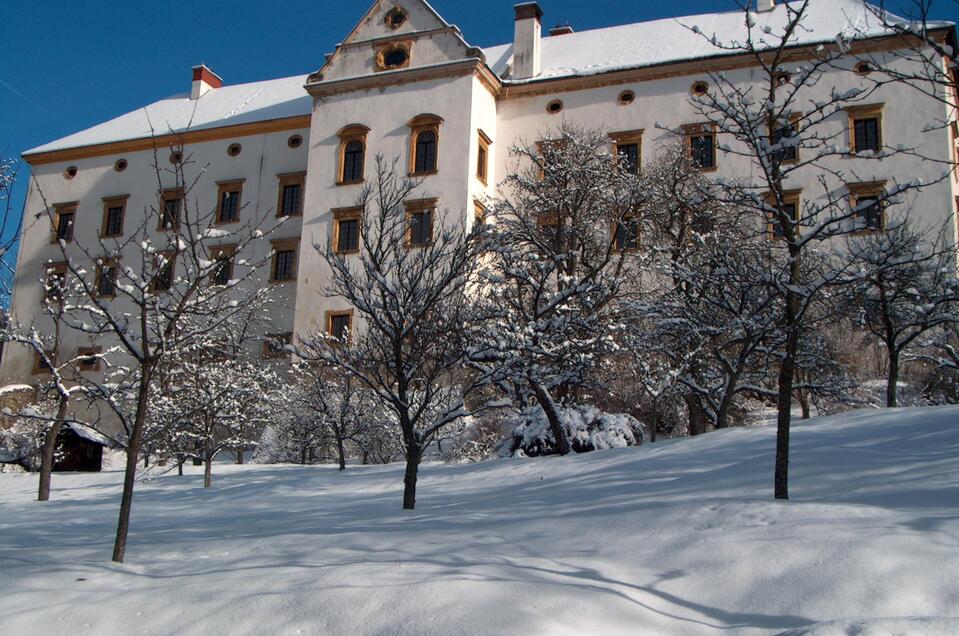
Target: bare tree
[
  {"x": 409, "y": 286},
  {"x": 10, "y": 224}
]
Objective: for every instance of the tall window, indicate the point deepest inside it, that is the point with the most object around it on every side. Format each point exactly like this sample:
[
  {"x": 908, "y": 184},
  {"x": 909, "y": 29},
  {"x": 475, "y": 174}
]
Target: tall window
[
  {"x": 482, "y": 157},
  {"x": 868, "y": 202},
  {"x": 782, "y": 135},
  {"x": 628, "y": 149},
  {"x": 55, "y": 281},
  {"x": 424, "y": 144},
  {"x": 228, "y": 201},
  {"x": 419, "y": 216},
  {"x": 627, "y": 234},
  {"x": 290, "y": 201},
  {"x": 88, "y": 358},
  {"x": 865, "y": 126},
  {"x": 791, "y": 208},
  {"x": 284, "y": 260},
  {"x": 701, "y": 141},
  {"x": 106, "y": 279},
  {"x": 113, "y": 213},
  {"x": 64, "y": 218},
  {"x": 352, "y": 154},
  {"x": 165, "y": 265},
  {"x": 346, "y": 230},
  {"x": 222, "y": 264},
  {"x": 171, "y": 204}
]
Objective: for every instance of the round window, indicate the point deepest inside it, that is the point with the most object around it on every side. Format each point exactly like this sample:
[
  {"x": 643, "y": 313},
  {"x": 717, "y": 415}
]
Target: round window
[
  {"x": 394, "y": 58},
  {"x": 396, "y": 18},
  {"x": 176, "y": 157},
  {"x": 627, "y": 97},
  {"x": 234, "y": 150},
  {"x": 70, "y": 172},
  {"x": 699, "y": 88},
  {"x": 295, "y": 141},
  {"x": 554, "y": 107},
  {"x": 120, "y": 165},
  {"x": 864, "y": 68}
]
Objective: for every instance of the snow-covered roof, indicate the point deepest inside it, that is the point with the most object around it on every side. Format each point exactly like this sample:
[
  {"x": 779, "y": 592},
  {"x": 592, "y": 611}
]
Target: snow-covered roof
[
  {"x": 89, "y": 434},
  {"x": 672, "y": 40},
  {"x": 225, "y": 106}
]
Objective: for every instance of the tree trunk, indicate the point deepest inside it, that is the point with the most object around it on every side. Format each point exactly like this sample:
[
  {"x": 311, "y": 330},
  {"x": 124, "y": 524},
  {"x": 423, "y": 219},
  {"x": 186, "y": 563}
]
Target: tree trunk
[
  {"x": 341, "y": 452},
  {"x": 655, "y": 425},
  {"x": 129, "y": 475},
  {"x": 787, "y": 371},
  {"x": 366, "y": 457},
  {"x": 892, "y": 384},
  {"x": 551, "y": 411},
  {"x": 49, "y": 450},
  {"x": 179, "y": 465},
  {"x": 697, "y": 415},
  {"x": 303, "y": 456},
  {"x": 146, "y": 461},
  {"x": 239, "y": 456},
  {"x": 804, "y": 404},
  {"x": 409, "y": 478},
  {"x": 207, "y": 472}
]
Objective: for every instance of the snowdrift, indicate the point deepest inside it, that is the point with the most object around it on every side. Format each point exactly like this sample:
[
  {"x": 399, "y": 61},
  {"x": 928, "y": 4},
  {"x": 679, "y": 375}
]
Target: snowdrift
[{"x": 678, "y": 537}]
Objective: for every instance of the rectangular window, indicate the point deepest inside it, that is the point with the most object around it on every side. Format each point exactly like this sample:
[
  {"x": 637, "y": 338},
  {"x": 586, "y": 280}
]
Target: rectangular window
[
  {"x": 284, "y": 261},
  {"x": 701, "y": 141},
  {"x": 40, "y": 362},
  {"x": 627, "y": 235},
  {"x": 627, "y": 148},
  {"x": 229, "y": 194},
  {"x": 274, "y": 344},
  {"x": 223, "y": 264},
  {"x": 346, "y": 230},
  {"x": 786, "y": 135},
  {"x": 339, "y": 324},
  {"x": 164, "y": 272},
  {"x": 55, "y": 280},
  {"x": 791, "y": 207},
  {"x": 482, "y": 157},
  {"x": 106, "y": 279},
  {"x": 479, "y": 213},
  {"x": 114, "y": 209},
  {"x": 419, "y": 215},
  {"x": 865, "y": 128},
  {"x": 290, "y": 202},
  {"x": 88, "y": 358},
  {"x": 65, "y": 216},
  {"x": 868, "y": 205},
  {"x": 171, "y": 203}
]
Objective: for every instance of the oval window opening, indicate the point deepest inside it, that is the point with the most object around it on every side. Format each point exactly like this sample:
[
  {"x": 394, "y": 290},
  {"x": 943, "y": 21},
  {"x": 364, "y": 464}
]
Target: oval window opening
[
  {"x": 395, "y": 58},
  {"x": 554, "y": 107}
]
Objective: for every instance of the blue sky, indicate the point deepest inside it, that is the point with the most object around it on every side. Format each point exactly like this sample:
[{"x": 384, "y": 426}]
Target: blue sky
[{"x": 68, "y": 65}]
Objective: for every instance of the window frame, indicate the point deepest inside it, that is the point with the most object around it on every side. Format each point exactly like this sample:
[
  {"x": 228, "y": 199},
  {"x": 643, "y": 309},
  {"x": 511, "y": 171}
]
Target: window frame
[
  {"x": 354, "y": 213},
  {"x": 216, "y": 253},
  {"x": 482, "y": 156},
  {"x": 101, "y": 265},
  {"x": 628, "y": 138},
  {"x": 38, "y": 359},
  {"x": 171, "y": 194},
  {"x": 87, "y": 352},
  {"x": 284, "y": 245},
  {"x": 347, "y": 134},
  {"x": 382, "y": 50},
  {"x": 792, "y": 120},
  {"x": 170, "y": 257},
  {"x": 233, "y": 186},
  {"x": 419, "y": 206},
  {"x": 285, "y": 180},
  {"x": 790, "y": 197},
  {"x": 338, "y": 313},
  {"x": 866, "y": 190},
  {"x": 629, "y": 219},
  {"x": 110, "y": 203},
  {"x": 864, "y": 112},
  {"x": 59, "y": 211},
  {"x": 59, "y": 269},
  {"x": 418, "y": 125},
  {"x": 702, "y": 130}
]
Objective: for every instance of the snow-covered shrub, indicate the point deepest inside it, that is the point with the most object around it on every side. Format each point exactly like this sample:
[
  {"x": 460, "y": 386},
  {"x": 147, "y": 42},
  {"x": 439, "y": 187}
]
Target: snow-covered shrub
[
  {"x": 587, "y": 429},
  {"x": 21, "y": 445}
]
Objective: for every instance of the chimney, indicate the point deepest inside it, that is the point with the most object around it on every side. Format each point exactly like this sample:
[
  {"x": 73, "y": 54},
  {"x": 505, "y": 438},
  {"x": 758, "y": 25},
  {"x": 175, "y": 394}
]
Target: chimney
[
  {"x": 204, "y": 81},
  {"x": 526, "y": 40},
  {"x": 765, "y": 5},
  {"x": 561, "y": 29}
]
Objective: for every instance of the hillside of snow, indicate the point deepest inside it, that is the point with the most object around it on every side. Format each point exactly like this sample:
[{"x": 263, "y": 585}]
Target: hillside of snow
[{"x": 678, "y": 537}]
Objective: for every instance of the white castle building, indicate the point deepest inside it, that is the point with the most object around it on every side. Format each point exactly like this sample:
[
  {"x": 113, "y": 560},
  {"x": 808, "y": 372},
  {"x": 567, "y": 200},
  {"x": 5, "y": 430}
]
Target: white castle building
[{"x": 405, "y": 83}]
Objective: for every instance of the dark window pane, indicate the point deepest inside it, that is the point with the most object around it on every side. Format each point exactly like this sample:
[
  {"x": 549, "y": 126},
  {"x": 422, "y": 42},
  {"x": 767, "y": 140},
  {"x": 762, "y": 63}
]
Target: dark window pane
[
  {"x": 106, "y": 284},
  {"x": 777, "y": 228},
  {"x": 787, "y": 153},
  {"x": 114, "y": 221},
  {"x": 627, "y": 235},
  {"x": 629, "y": 157},
  {"x": 55, "y": 283},
  {"x": 426, "y": 152},
  {"x": 394, "y": 58},
  {"x": 701, "y": 147},
  {"x": 229, "y": 206},
  {"x": 869, "y": 213},
  {"x": 867, "y": 134},
  {"x": 353, "y": 162},
  {"x": 348, "y": 235},
  {"x": 292, "y": 199},
  {"x": 421, "y": 227},
  {"x": 65, "y": 226},
  {"x": 283, "y": 262},
  {"x": 223, "y": 269},
  {"x": 340, "y": 325},
  {"x": 164, "y": 278},
  {"x": 481, "y": 163},
  {"x": 171, "y": 213}
]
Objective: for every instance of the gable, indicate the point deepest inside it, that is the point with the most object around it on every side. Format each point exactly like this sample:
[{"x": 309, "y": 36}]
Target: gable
[{"x": 395, "y": 35}]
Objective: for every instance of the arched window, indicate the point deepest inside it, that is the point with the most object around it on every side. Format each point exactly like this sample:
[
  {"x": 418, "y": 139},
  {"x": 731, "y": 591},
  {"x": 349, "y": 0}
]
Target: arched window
[
  {"x": 425, "y": 152},
  {"x": 353, "y": 153},
  {"x": 424, "y": 144}
]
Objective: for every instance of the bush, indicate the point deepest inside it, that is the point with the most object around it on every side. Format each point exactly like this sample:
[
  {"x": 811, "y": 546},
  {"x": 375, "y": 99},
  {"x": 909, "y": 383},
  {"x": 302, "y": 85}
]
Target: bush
[{"x": 587, "y": 429}]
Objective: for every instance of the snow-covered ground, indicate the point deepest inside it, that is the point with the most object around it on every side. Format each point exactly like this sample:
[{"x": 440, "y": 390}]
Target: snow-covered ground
[{"x": 680, "y": 537}]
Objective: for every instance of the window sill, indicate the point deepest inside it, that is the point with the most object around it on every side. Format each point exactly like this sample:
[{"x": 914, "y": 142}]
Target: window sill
[
  {"x": 346, "y": 252},
  {"x": 350, "y": 183},
  {"x": 424, "y": 174},
  {"x": 282, "y": 281}
]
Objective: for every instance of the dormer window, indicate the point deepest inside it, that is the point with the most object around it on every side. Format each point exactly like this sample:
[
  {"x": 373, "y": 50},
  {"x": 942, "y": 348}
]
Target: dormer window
[{"x": 393, "y": 56}]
